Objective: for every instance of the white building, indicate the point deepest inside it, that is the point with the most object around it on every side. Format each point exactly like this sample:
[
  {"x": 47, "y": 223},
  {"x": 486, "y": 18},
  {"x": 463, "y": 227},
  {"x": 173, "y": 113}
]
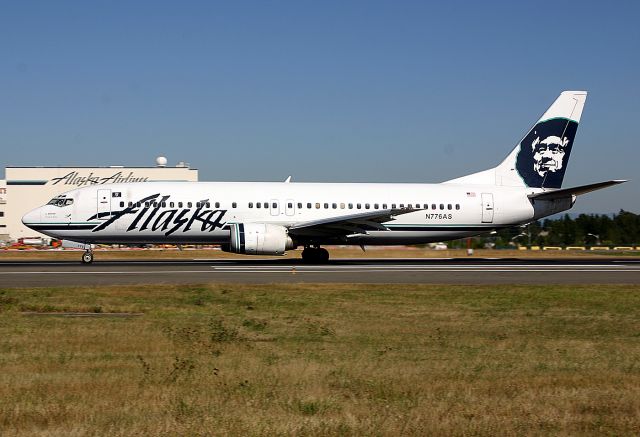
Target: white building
[
  {"x": 26, "y": 188},
  {"x": 3, "y": 208}
]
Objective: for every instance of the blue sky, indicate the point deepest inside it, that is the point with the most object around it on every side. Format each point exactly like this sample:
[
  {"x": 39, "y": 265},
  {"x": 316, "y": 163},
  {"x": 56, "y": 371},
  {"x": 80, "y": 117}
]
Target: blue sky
[{"x": 376, "y": 91}]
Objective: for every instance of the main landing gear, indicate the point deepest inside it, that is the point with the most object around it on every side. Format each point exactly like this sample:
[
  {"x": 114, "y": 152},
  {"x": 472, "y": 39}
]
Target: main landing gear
[
  {"x": 315, "y": 255},
  {"x": 87, "y": 257}
]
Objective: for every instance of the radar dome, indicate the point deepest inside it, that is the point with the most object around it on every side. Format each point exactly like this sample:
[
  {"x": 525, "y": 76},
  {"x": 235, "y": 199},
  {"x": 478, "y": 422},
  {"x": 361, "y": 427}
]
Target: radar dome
[{"x": 161, "y": 161}]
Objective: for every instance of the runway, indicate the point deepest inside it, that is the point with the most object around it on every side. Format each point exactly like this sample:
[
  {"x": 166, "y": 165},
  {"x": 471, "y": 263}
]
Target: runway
[{"x": 433, "y": 271}]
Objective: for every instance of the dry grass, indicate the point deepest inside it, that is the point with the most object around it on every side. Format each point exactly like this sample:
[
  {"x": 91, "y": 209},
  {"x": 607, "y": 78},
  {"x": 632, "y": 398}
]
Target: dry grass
[{"x": 322, "y": 360}]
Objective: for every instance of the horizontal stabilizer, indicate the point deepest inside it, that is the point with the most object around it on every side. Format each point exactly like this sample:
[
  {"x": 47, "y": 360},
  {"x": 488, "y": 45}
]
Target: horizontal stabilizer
[{"x": 575, "y": 191}]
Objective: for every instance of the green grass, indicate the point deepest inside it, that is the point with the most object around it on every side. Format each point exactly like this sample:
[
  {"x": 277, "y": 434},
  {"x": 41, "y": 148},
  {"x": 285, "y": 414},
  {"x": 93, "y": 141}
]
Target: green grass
[{"x": 321, "y": 360}]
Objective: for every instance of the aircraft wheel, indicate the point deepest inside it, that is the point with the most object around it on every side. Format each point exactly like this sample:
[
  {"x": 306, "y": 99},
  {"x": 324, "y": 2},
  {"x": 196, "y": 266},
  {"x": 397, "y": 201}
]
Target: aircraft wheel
[
  {"x": 308, "y": 255},
  {"x": 315, "y": 255},
  {"x": 87, "y": 257},
  {"x": 323, "y": 256}
]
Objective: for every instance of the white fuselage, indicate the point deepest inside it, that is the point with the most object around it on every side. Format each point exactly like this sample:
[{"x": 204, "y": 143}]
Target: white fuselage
[{"x": 201, "y": 212}]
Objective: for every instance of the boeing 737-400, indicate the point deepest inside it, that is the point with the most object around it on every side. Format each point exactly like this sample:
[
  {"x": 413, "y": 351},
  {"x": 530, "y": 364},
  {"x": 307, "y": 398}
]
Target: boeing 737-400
[{"x": 269, "y": 218}]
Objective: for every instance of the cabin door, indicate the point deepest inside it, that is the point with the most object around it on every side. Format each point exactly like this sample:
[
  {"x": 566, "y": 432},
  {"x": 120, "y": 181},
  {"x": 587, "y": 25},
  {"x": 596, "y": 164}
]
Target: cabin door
[
  {"x": 487, "y": 208},
  {"x": 104, "y": 204}
]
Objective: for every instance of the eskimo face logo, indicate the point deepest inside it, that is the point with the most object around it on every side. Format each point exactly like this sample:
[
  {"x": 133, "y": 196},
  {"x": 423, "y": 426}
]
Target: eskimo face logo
[
  {"x": 548, "y": 154},
  {"x": 544, "y": 153}
]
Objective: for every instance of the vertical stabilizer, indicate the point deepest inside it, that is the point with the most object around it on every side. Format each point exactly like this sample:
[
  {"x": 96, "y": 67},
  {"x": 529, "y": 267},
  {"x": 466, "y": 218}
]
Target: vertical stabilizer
[{"x": 541, "y": 158}]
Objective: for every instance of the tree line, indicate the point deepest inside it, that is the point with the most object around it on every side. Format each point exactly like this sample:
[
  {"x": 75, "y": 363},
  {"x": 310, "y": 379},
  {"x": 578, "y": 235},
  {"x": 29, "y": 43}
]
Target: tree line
[{"x": 621, "y": 229}]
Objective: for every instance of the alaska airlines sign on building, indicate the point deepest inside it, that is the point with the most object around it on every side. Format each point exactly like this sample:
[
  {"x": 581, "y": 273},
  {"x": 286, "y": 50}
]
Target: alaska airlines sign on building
[
  {"x": 28, "y": 187},
  {"x": 78, "y": 179}
]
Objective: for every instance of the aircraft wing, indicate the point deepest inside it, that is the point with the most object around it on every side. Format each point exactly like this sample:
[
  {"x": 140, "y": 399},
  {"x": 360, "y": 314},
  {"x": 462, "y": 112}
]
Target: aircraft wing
[
  {"x": 575, "y": 191},
  {"x": 348, "y": 224}
]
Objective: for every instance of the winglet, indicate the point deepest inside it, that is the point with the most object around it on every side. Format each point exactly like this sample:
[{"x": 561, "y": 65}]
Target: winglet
[{"x": 287, "y": 180}]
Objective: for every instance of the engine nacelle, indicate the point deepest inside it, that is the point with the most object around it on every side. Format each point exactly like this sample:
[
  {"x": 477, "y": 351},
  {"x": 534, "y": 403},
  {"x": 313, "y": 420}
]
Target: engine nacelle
[{"x": 259, "y": 239}]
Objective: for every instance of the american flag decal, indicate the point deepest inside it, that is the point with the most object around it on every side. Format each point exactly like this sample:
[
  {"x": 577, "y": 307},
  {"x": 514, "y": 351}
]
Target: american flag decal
[{"x": 471, "y": 194}]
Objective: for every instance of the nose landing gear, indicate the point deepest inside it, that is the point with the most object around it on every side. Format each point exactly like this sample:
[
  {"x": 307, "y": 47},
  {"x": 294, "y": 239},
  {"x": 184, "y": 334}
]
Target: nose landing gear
[
  {"x": 87, "y": 257},
  {"x": 315, "y": 255}
]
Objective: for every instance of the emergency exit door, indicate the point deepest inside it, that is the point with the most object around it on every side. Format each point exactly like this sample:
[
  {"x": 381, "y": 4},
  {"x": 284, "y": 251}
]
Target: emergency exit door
[{"x": 487, "y": 208}]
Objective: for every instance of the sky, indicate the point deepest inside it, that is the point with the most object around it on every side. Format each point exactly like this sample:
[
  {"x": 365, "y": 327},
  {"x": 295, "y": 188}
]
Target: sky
[{"x": 344, "y": 91}]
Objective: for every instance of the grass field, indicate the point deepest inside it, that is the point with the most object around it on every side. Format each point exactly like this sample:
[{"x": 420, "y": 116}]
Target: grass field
[{"x": 321, "y": 360}]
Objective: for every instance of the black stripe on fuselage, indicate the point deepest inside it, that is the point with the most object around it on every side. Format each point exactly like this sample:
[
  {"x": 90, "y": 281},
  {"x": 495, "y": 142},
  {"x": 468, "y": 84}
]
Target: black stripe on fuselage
[{"x": 46, "y": 227}]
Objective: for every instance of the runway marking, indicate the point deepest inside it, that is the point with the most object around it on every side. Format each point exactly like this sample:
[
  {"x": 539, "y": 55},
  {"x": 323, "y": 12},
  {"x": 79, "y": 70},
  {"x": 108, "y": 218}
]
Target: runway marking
[
  {"x": 436, "y": 270},
  {"x": 330, "y": 270},
  {"x": 460, "y": 268}
]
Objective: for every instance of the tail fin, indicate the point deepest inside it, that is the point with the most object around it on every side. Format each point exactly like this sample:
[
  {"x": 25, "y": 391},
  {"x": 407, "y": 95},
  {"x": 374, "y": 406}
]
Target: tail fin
[{"x": 540, "y": 159}]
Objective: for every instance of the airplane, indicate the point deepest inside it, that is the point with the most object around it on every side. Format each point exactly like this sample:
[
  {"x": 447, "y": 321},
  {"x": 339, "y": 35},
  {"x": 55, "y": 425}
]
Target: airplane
[{"x": 269, "y": 218}]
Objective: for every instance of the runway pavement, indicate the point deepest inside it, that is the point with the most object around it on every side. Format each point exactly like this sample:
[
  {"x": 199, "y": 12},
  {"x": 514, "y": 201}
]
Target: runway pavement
[{"x": 435, "y": 271}]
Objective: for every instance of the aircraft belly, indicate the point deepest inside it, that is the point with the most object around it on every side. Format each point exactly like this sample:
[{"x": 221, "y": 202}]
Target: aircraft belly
[{"x": 407, "y": 237}]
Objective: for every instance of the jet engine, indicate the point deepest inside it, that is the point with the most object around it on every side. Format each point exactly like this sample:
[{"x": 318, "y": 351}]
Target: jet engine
[{"x": 259, "y": 239}]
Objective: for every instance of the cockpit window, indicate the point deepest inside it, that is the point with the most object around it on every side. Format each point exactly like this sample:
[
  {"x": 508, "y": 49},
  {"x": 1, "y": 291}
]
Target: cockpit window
[{"x": 60, "y": 201}]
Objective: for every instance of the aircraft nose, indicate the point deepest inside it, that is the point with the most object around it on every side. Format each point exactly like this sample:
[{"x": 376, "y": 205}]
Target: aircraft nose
[{"x": 32, "y": 217}]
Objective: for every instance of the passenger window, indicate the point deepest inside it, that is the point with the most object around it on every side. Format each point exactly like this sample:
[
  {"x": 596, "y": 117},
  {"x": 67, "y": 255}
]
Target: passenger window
[
  {"x": 258, "y": 205},
  {"x": 170, "y": 204},
  {"x": 351, "y": 206},
  {"x": 164, "y": 204},
  {"x": 234, "y": 205},
  {"x": 425, "y": 206},
  {"x": 326, "y": 206},
  {"x": 130, "y": 204},
  {"x": 308, "y": 205},
  {"x": 366, "y": 206},
  {"x": 208, "y": 204},
  {"x": 384, "y": 206},
  {"x": 179, "y": 204},
  {"x": 358, "y": 205},
  {"x": 433, "y": 206},
  {"x": 449, "y": 206},
  {"x": 274, "y": 205},
  {"x": 375, "y": 206},
  {"x": 334, "y": 205},
  {"x": 189, "y": 204},
  {"x": 402, "y": 205},
  {"x": 266, "y": 205},
  {"x": 155, "y": 204},
  {"x": 393, "y": 206},
  {"x": 299, "y": 205},
  {"x": 442, "y": 206},
  {"x": 457, "y": 206},
  {"x": 317, "y": 206},
  {"x": 217, "y": 204},
  {"x": 342, "y": 206},
  {"x": 250, "y": 204},
  {"x": 121, "y": 204},
  {"x": 289, "y": 205}
]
